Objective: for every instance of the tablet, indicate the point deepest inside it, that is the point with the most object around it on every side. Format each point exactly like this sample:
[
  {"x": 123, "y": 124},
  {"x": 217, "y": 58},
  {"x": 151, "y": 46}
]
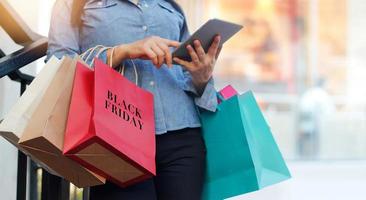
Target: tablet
[{"x": 206, "y": 35}]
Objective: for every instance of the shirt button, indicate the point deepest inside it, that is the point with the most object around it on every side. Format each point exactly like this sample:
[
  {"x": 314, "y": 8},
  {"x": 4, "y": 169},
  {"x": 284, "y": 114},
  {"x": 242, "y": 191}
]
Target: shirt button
[
  {"x": 144, "y": 28},
  {"x": 100, "y": 3},
  {"x": 152, "y": 83},
  {"x": 146, "y": 5}
]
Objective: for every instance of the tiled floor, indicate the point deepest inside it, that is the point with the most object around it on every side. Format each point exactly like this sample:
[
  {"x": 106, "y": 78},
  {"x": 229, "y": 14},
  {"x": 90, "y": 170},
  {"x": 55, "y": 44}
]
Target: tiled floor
[{"x": 326, "y": 180}]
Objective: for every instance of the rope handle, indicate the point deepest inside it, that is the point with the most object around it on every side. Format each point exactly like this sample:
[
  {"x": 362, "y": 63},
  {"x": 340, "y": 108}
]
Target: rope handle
[
  {"x": 102, "y": 49},
  {"x": 88, "y": 53},
  {"x": 122, "y": 70}
]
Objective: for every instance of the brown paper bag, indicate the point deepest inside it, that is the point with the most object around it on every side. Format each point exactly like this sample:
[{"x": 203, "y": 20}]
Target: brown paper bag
[
  {"x": 43, "y": 136},
  {"x": 15, "y": 121},
  {"x": 17, "y": 118}
]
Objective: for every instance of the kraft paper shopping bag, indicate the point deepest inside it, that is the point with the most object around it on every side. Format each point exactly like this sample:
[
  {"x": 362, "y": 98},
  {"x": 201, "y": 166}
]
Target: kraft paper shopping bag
[
  {"x": 15, "y": 121},
  {"x": 18, "y": 117},
  {"x": 43, "y": 137}
]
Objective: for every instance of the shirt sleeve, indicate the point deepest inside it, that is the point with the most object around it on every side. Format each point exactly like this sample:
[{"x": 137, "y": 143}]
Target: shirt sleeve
[
  {"x": 208, "y": 99},
  {"x": 63, "y": 37}
]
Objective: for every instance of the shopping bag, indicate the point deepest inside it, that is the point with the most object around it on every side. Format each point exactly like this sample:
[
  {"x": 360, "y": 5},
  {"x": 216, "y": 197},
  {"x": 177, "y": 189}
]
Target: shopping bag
[
  {"x": 15, "y": 121},
  {"x": 43, "y": 136},
  {"x": 242, "y": 155},
  {"x": 110, "y": 128},
  {"x": 226, "y": 93},
  {"x": 18, "y": 117}
]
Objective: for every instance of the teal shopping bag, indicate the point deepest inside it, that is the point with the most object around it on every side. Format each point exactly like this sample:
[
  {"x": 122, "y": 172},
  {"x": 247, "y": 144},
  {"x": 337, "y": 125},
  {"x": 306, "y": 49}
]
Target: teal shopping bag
[{"x": 242, "y": 155}]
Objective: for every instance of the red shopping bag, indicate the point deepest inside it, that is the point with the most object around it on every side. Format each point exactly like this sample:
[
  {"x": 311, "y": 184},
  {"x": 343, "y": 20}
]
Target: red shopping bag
[{"x": 110, "y": 128}]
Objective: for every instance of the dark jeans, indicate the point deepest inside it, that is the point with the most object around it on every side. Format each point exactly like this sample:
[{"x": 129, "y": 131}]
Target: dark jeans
[{"x": 180, "y": 160}]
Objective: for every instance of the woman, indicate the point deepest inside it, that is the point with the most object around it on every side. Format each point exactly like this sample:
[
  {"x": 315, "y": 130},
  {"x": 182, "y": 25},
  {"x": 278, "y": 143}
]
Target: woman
[{"x": 145, "y": 31}]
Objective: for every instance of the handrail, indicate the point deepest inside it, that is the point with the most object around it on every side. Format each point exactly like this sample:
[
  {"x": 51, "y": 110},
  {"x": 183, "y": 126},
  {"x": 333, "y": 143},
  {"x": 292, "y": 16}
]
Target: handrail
[
  {"x": 34, "y": 44},
  {"x": 34, "y": 47},
  {"x": 22, "y": 57}
]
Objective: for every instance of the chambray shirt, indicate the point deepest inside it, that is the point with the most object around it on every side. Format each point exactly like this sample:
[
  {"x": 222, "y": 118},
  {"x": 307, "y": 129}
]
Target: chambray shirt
[{"x": 114, "y": 22}]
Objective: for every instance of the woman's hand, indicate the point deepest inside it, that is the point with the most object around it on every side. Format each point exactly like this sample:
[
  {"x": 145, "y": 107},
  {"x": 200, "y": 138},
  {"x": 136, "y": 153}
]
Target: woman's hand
[
  {"x": 152, "y": 48},
  {"x": 202, "y": 64}
]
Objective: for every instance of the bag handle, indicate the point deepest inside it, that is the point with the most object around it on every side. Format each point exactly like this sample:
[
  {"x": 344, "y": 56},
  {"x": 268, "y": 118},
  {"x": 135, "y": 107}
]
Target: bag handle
[
  {"x": 219, "y": 96},
  {"x": 122, "y": 70},
  {"x": 88, "y": 53},
  {"x": 102, "y": 49}
]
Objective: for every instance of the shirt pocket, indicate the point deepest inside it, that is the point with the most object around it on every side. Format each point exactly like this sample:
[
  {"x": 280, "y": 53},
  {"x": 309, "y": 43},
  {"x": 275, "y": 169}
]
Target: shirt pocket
[
  {"x": 171, "y": 17},
  {"x": 98, "y": 13},
  {"x": 99, "y": 4}
]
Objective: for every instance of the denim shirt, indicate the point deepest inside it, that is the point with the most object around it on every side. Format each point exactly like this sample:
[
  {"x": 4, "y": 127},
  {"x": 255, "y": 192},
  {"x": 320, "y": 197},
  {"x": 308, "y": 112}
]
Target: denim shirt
[{"x": 114, "y": 22}]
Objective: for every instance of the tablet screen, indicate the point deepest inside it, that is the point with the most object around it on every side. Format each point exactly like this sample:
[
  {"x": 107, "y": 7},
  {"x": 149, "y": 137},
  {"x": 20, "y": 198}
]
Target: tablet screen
[{"x": 206, "y": 34}]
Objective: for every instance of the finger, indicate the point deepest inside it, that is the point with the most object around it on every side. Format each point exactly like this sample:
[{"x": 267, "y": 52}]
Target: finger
[
  {"x": 212, "y": 51},
  {"x": 160, "y": 54},
  {"x": 171, "y": 43},
  {"x": 151, "y": 55},
  {"x": 199, "y": 49},
  {"x": 187, "y": 65},
  {"x": 168, "y": 55},
  {"x": 193, "y": 54},
  {"x": 218, "y": 52}
]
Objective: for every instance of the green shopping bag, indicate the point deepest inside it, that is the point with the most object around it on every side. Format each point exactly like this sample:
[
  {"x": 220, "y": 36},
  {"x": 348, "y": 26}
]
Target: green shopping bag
[{"x": 242, "y": 155}]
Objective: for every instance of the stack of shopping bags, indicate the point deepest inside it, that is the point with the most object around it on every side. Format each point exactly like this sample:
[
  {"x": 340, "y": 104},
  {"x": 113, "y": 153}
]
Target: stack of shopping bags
[{"x": 85, "y": 125}]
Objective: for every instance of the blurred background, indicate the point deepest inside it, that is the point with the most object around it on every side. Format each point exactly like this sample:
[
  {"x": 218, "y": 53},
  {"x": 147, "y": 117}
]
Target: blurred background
[{"x": 305, "y": 61}]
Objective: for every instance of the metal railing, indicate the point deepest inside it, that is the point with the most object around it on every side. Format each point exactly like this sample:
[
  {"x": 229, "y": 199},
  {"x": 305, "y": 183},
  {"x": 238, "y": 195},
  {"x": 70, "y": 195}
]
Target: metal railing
[{"x": 34, "y": 48}]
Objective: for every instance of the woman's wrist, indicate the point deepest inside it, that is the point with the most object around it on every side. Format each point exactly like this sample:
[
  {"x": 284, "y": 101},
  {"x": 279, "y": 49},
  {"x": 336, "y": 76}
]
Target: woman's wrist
[
  {"x": 199, "y": 85},
  {"x": 120, "y": 54}
]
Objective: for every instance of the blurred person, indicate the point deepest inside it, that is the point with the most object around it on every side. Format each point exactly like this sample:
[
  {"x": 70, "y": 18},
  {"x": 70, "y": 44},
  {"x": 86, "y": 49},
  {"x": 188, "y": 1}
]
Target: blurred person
[
  {"x": 315, "y": 104},
  {"x": 145, "y": 31}
]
